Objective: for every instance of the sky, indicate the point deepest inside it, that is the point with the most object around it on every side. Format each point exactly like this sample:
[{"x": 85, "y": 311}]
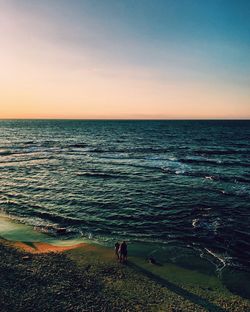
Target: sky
[{"x": 125, "y": 59}]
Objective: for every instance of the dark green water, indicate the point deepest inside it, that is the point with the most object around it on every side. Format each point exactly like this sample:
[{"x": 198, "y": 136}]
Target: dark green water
[{"x": 154, "y": 182}]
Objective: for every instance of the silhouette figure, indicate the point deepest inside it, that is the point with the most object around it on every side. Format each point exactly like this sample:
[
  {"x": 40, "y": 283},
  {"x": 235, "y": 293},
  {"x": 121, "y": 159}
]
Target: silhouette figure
[
  {"x": 117, "y": 246},
  {"x": 123, "y": 252}
]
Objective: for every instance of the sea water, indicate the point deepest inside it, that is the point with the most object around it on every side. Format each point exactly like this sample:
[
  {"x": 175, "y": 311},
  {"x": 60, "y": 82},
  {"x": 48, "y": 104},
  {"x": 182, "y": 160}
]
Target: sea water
[{"x": 152, "y": 183}]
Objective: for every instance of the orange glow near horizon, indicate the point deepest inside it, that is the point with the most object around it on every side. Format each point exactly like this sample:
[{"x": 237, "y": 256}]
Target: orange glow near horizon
[{"x": 40, "y": 78}]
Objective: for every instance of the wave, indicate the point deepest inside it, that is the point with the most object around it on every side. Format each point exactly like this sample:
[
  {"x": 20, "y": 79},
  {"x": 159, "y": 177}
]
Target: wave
[
  {"x": 207, "y": 176},
  {"x": 55, "y": 218},
  {"x": 19, "y": 161},
  {"x": 13, "y": 165},
  {"x": 131, "y": 150},
  {"x": 5, "y": 153},
  {"x": 175, "y": 167},
  {"x": 28, "y": 142},
  {"x": 78, "y": 145},
  {"x": 224, "y": 259},
  {"x": 199, "y": 161},
  {"x": 201, "y": 223},
  {"x": 213, "y": 162},
  {"x": 98, "y": 175},
  {"x": 221, "y": 152},
  {"x": 244, "y": 235},
  {"x": 23, "y": 151}
]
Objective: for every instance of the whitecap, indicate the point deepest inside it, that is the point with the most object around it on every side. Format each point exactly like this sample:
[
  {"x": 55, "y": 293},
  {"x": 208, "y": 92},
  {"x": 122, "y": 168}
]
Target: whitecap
[{"x": 195, "y": 223}]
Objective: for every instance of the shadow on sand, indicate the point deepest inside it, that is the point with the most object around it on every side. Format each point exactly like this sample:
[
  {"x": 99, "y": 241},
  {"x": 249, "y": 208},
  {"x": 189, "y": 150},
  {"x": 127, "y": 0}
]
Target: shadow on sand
[{"x": 178, "y": 290}]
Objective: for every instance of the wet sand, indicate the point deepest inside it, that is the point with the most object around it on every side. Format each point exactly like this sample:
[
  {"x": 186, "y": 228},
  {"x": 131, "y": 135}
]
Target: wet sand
[
  {"x": 44, "y": 247},
  {"x": 89, "y": 278},
  {"x": 70, "y": 276}
]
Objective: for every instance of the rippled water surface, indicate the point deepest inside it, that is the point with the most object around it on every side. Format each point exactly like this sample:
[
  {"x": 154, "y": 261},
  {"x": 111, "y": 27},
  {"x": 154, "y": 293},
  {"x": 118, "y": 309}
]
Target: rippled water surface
[{"x": 149, "y": 181}]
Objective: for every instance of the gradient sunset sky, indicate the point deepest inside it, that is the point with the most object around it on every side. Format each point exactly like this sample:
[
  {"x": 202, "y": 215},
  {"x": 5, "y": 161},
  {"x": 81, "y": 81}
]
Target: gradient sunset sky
[{"x": 125, "y": 59}]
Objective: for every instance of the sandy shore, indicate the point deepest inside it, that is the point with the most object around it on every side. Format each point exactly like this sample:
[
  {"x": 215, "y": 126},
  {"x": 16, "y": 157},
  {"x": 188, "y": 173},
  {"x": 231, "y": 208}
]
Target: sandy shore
[
  {"x": 41, "y": 273},
  {"x": 40, "y": 247},
  {"x": 82, "y": 277}
]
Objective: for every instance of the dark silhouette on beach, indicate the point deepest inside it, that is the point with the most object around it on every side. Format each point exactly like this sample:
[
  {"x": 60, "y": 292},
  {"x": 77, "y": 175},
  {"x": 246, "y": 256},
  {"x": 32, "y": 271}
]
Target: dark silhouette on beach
[
  {"x": 123, "y": 252},
  {"x": 117, "y": 246}
]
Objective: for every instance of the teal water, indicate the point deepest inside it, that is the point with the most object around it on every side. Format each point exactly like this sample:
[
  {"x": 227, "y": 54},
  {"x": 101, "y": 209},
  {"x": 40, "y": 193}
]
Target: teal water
[{"x": 150, "y": 182}]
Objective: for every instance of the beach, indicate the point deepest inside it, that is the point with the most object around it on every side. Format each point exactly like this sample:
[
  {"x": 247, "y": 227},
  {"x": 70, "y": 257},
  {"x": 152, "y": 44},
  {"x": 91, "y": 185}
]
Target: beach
[{"x": 39, "y": 276}]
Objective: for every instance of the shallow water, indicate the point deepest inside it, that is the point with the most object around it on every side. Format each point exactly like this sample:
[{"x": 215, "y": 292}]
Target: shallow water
[{"x": 154, "y": 182}]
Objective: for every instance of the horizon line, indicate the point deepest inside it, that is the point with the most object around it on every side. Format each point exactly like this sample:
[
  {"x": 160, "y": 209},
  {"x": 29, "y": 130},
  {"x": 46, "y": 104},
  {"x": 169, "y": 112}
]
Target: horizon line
[{"x": 131, "y": 119}]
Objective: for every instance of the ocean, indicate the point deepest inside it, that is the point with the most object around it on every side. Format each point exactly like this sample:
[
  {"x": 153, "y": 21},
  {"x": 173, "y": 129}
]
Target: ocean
[{"x": 161, "y": 183}]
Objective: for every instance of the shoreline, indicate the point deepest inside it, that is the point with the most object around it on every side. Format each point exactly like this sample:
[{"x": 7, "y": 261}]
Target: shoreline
[
  {"x": 14, "y": 230},
  {"x": 137, "y": 286},
  {"x": 187, "y": 283}
]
